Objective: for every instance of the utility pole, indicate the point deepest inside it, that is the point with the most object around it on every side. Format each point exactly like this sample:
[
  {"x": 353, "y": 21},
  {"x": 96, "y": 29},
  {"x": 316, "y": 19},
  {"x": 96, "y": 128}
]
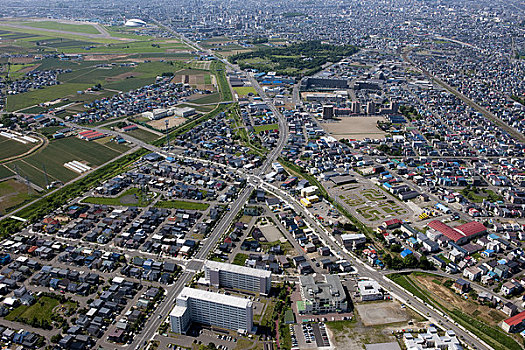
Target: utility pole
[
  {"x": 45, "y": 174},
  {"x": 167, "y": 135}
]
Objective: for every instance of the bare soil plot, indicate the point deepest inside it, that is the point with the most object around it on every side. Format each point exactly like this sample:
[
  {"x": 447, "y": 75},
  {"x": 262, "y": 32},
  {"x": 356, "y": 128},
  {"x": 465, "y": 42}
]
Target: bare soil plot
[
  {"x": 357, "y": 128},
  {"x": 160, "y": 124},
  {"x": 108, "y": 57},
  {"x": 22, "y": 60},
  {"x": 271, "y": 233},
  {"x": 445, "y": 296},
  {"x": 374, "y": 314}
]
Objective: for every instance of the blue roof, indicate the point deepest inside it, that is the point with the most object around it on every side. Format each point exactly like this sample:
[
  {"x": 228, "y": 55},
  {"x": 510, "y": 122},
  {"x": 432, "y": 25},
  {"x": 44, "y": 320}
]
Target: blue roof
[{"x": 406, "y": 253}]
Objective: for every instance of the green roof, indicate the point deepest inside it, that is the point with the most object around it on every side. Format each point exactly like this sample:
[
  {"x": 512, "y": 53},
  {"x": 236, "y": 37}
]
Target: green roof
[{"x": 289, "y": 317}]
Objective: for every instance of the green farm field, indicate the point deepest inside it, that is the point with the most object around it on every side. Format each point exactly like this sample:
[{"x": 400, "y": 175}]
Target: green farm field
[
  {"x": 68, "y": 27},
  {"x": 10, "y": 148},
  {"x": 143, "y": 135},
  {"x": 59, "y": 152}
]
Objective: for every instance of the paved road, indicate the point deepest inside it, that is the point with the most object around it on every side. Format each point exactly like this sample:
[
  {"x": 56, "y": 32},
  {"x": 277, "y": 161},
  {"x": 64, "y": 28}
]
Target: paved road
[{"x": 367, "y": 272}]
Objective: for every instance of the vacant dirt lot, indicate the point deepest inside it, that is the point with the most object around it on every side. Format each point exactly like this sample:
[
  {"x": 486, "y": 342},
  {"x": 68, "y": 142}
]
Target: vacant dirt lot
[
  {"x": 357, "y": 128},
  {"x": 161, "y": 123},
  {"x": 374, "y": 314},
  {"x": 447, "y": 297},
  {"x": 271, "y": 233}
]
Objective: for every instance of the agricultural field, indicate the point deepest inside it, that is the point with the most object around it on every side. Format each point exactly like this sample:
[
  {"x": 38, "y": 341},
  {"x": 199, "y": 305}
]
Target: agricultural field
[
  {"x": 10, "y": 148},
  {"x": 68, "y": 27},
  {"x": 14, "y": 193},
  {"x": 60, "y": 151},
  {"x": 143, "y": 135},
  {"x": 198, "y": 78},
  {"x": 108, "y": 55}
]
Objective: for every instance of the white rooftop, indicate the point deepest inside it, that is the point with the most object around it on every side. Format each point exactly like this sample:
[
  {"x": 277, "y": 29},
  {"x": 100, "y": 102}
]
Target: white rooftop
[
  {"x": 214, "y": 297},
  {"x": 215, "y": 265}
]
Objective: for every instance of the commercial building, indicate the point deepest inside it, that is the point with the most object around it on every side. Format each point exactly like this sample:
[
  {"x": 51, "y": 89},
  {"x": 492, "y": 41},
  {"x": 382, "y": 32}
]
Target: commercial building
[
  {"x": 370, "y": 290},
  {"x": 321, "y": 296},
  {"x": 514, "y": 324},
  {"x": 212, "y": 309},
  {"x": 239, "y": 277},
  {"x": 311, "y": 83},
  {"x": 459, "y": 234},
  {"x": 353, "y": 240},
  {"x": 328, "y": 111}
]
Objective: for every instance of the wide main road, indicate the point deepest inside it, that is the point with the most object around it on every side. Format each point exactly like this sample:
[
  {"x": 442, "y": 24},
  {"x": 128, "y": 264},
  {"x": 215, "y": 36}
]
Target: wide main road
[
  {"x": 366, "y": 271},
  {"x": 193, "y": 266}
]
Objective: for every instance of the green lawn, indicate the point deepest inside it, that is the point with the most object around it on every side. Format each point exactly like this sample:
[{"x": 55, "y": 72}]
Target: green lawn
[
  {"x": 131, "y": 197},
  {"x": 240, "y": 259},
  {"x": 259, "y": 128},
  {"x": 245, "y": 90},
  {"x": 41, "y": 311},
  {"x": 178, "y": 204},
  {"x": 77, "y": 28}
]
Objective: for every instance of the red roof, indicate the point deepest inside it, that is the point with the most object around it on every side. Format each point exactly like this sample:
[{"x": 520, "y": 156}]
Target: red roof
[
  {"x": 471, "y": 228},
  {"x": 445, "y": 230},
  {"x": 393, "y": 222},
  {"x": 516, "y": 319},
  {"x": 466, "y": 230}
]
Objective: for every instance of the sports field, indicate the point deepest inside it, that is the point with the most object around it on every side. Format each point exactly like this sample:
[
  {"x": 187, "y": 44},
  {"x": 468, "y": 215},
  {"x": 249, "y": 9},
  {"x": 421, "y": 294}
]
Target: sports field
[{"x": 357, "y": 128}]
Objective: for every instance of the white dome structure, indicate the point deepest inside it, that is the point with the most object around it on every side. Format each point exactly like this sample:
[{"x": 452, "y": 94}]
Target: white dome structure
[{"x": 135, "y": 22}]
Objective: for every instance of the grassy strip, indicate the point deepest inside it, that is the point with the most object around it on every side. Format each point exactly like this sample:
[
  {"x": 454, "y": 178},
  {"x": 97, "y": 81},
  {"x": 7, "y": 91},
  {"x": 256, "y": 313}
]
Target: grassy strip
[
  {"x": 46, "y": 205},
  {"x": 217, "y": 68},
  {"x": 496, "y": 338},
  {"x": 240, "y": 259},
  {"x": 116, "y": 201},
  {"x": 176, "y": 204}
]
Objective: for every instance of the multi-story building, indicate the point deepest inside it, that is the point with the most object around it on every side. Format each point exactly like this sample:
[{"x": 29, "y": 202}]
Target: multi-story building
[
  {"x": 212, "y": 309},
  {"x": 238, "y": 277},
  {"x": 320, "y": 297}
]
